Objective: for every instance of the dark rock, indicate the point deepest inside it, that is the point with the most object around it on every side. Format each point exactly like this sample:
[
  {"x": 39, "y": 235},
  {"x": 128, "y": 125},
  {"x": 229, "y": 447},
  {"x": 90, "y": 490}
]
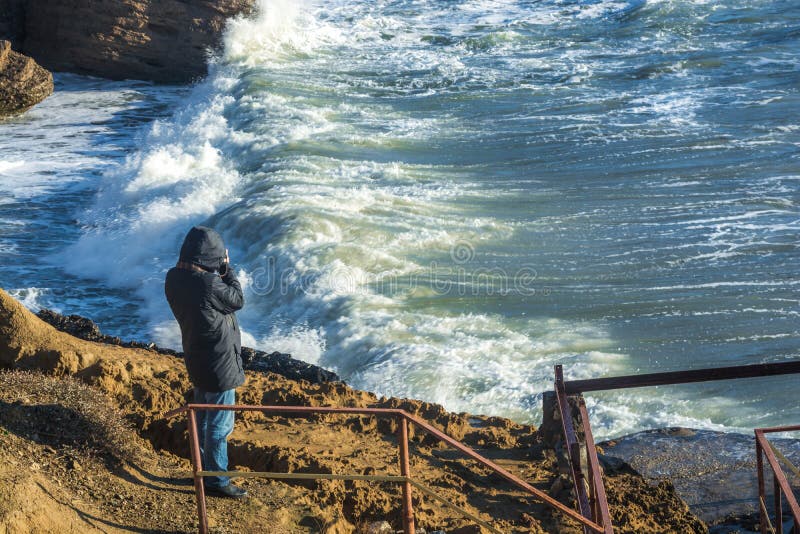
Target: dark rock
[
  {"x": 739, "y": 524},
  {"x": 284, "y": 364},
  {"x": 74, "y": 325},
  {"x": 613, "y": 465},
  {"x": 551, "y": 431},
  {"x": 23, "y": 83},
  {"x": 254, "y": 360},
  {"x": 12, "y": 22},
  {"x": 714, "y": 472},
  {"x": 158, "y": 40}
]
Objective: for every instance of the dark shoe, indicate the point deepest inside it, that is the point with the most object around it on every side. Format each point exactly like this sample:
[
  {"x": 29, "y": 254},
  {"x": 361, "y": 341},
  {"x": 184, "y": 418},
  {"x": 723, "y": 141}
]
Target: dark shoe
[{"x": 230, "y": 491}]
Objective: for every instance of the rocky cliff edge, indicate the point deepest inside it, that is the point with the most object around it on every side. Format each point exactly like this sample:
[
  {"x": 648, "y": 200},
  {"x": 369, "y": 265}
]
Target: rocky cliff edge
[
  {"x": 143, "y": 384},
  {"x": 164, "y": 41},
  {"x": 23, "y": 83}
]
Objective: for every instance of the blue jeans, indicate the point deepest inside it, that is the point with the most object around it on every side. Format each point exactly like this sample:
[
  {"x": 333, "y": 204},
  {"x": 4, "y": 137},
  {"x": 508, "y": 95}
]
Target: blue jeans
[{"x": 213, "y": 428}]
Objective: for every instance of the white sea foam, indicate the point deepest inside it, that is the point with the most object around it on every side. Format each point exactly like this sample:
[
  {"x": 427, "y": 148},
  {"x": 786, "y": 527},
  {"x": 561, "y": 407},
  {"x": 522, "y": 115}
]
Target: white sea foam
[
  {"x": 343, "y": 190},
  {"x": 184, "y": 173},
  {"x": 187, "y": 171},
  {"x": 677, "y": 109},
  {"x": 31, "y": 297},
  {"x": 280, "y": 30},
  {"x": 5, "y": 166}
]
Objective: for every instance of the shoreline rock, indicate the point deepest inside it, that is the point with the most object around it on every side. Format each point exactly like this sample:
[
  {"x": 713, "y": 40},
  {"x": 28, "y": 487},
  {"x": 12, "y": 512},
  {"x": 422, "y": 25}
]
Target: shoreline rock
[
  {"x": 164, "y": 41},
  {"x": 254, "y": 360},
  {"x": 714, "y": 472},
  {"x": 23, "y": 83}
]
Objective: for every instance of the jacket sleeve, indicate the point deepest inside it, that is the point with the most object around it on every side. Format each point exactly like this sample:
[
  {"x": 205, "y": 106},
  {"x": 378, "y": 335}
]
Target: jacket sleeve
[{"x": 226, "y": 293}]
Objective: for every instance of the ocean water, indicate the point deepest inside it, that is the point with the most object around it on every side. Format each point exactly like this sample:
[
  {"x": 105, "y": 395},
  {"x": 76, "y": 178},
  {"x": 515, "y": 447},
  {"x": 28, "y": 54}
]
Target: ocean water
[{"x": 443, "y": 200}]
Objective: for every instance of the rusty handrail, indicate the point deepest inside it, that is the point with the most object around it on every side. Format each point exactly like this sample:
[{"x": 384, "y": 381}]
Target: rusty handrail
[
  {"x": 772, "y": 429},
  {"x": 571, "y": 445},
  {"x": 780, "y": 483},
  {"x": 596, "y": 510},
  {"x": 367, "y": 478},
  {"x": 284, "y": 409},
  {"x": 600, "y": 509},
  {"x": 403, "y": 419},
  {"x": 539, "y": 494},
  {"x": 598, "y": 504},
  {"x": 667, "y": 378},
  {"x": 786, "y": 461}
]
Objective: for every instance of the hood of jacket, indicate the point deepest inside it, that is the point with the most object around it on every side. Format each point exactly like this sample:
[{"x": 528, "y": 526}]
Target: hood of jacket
[{"x": 203, "y": 246}]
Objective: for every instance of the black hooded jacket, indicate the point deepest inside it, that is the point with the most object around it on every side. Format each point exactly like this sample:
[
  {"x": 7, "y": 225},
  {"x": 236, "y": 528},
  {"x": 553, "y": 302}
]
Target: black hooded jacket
[{"x": 204, "y": 303}]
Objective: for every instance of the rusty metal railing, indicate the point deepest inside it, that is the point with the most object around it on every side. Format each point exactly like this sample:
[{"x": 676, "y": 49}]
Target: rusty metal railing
[
  {"x": 682, "y": 377},
  {"x": 403, "y": 419},
  {"x": 593, "y": 505},
  {"x": 780, "y": 484}
]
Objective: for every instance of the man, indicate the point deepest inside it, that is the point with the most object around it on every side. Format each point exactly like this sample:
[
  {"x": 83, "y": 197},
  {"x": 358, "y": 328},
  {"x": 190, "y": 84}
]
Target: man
[{"x": 204, "y": 295}]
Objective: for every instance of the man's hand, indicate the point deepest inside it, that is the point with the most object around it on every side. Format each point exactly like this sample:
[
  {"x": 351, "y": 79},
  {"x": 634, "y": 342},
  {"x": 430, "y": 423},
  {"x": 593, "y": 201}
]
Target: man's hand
[{"x": 227, "y": 266}]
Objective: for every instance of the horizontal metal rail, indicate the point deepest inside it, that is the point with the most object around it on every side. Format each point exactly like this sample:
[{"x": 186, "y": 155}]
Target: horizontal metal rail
[
  {"x": 477, "y": 520},
  {"x": 304, "y": 410},
  {"x": 369, "y": 478},
  {"x": 573, "y": 387},
  {"x": 788, "y": 463},
  {"x": 403, "y": 418},
  {"x": 781, "y": 485},
  {"x": 540, "y": 495},
  {"x": 773, "y": 429},
  {"x": 301, "y": 476}
]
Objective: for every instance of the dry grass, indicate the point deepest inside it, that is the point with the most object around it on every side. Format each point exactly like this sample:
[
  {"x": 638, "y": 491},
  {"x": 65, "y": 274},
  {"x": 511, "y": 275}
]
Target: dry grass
[{"x": 66, "y": 411}]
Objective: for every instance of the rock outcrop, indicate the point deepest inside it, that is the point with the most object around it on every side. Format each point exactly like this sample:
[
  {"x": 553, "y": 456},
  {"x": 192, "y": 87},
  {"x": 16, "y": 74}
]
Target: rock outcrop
[
  {"x": 158, "y": 40},
  {"x": 23, "y": 83},
  {"x": 254, "y": 360}
]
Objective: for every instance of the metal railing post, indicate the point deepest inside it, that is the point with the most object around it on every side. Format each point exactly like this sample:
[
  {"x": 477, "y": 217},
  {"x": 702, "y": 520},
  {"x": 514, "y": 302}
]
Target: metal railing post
[
  {"x": 197, "y": 465},
  {"x": 572, "y": 447},
  {"x": 762, "y": 494},
  {"x": 602, "y": 515},
  {"x": 586, "y": 506},
  {"x": 592, "y": 493},
  {"x": 781, "y": 485},
  {"x": 778, "y": 504},
  {"x": 405, "y": 469}
]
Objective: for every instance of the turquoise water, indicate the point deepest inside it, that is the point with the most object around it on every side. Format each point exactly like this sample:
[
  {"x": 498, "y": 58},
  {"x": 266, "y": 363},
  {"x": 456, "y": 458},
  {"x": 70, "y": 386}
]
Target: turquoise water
[{"x": 444, "y": 199}]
